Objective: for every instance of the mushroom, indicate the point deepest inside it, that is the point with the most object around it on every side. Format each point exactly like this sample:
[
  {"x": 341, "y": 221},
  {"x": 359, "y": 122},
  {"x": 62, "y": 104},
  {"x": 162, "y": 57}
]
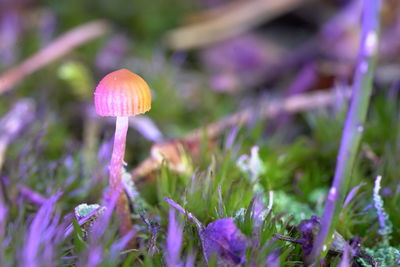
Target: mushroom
[{"x": 121, "y": 94}]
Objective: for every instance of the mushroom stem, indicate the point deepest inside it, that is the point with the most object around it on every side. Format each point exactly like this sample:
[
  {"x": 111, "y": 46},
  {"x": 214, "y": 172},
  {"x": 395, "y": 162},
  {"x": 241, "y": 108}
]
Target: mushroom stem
[{"x": 117, "y": 158}]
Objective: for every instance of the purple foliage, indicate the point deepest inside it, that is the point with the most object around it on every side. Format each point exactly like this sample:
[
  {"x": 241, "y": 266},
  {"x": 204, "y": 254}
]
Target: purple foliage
[
  {"x": 306, "y": 78},
  {"x": 146, "y": 127},
  {"x": 345, "y": 262},
  {"x": 174, "y": 241},
  {"x": 273, "y": 259},
  {"x": 190, "y": 260},
  {"x": 31, "y": 195},
  {"x": 352, "y": 194},
  {"x": 10, "y": 29},
  {"x": 95, "y": 256},
  {"x": 95, "y": 248},
  {"x": 390, "y": 39},
  {"x": 118, "y": 246},
  {"x": 239, "y": 54},
  {"x": 105, "y": 150},
  {"x": 222, "y": 239},
  {"x": 340, "y": 35},
  {"x": 112, "y": 53},
  {"x": 353, "y": 127},
  {"x": 47, "y": 27},
  {"x": 308, "y": 228},
  {"x": 104, "y": 155},
  {"x": 21, "y": 114},
  {"x": 387, "y": 191},
  {"x": 44, "y": 234},
  {"x": 102, "y": 223},
  {"x": 259, "y": 211},
  {"x": 243, "y": 59},
  {"x": 3, "y": 222}
]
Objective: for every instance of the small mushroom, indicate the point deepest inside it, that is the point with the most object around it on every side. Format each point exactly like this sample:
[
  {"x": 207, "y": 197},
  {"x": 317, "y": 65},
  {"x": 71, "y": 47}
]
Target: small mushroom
[{"x": 121, "y": 94}]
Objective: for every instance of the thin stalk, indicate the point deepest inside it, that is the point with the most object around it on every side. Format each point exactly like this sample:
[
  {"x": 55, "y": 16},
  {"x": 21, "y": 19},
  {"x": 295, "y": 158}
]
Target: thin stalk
[
  {"x": 117, "y": 158},
  {"x": 353, "y": 129},
  {"x": 190, "y": 216}
]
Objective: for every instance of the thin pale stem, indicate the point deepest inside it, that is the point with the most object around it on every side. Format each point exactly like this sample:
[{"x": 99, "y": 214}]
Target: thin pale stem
[
  {"x": 353, "y": 129},
  {"x": 117, "y": 159}
]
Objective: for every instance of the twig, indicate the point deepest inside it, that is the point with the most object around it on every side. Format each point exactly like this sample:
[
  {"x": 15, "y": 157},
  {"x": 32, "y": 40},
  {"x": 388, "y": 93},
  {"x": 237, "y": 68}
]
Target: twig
[
  {"x": 234, "y": 20},
  {"x": 353, "y": 128},
  {"x": 370, "y": 154},
  {"x": 266, "y": 109},
  {"x": 287, "y": 238},
  {"x": 58, "y": 48},
  {"x": 189, "y": 215}
]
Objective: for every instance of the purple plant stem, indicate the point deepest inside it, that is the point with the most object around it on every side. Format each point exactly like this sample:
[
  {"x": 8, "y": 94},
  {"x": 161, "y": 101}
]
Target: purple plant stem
[
  {"x": 174, "y": 240},
  {"x": 353, "y": 129},
  {"x": 350, "y": 196},
  {"x": 119, "y": 246},
  {"x": 117, "y": 159},
  {"x": 346, "y": 18},
  {"x": 190, "y": 260},
  {"x": 21, "y": 114},
  {"x": 10, "y": 31},
  {"x": 3, "y": 223},
  {"x": 31, "y": 195},
  {"x": 56, "y": 49},
  {"x": 273, "y": 259},
  {"x": 43, "y": 235},
  {"x": 95, "y": 256},
  {"x": 346, "y": 259},
  {"x": 306, "y": 78}
]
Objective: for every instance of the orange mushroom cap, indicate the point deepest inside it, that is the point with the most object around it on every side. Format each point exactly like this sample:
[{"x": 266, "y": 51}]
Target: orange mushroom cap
[{"x": 122, "y": 93}]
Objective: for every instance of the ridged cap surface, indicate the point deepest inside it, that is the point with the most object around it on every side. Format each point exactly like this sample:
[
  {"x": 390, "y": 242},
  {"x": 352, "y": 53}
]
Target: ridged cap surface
[{"x": 122, "y": 93}]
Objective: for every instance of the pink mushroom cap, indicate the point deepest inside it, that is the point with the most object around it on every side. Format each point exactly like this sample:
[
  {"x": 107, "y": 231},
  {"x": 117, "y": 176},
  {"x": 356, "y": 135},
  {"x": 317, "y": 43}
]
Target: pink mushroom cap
[{"x": 122, "y": 93}]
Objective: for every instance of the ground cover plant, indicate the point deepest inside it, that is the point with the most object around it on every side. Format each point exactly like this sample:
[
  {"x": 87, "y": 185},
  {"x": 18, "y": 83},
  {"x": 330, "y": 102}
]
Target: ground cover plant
[{"x": 272, "y": 138}]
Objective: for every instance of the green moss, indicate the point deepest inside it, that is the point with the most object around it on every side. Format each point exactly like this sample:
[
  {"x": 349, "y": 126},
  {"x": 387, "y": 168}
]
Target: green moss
[{"x": 385, "y": 256}]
